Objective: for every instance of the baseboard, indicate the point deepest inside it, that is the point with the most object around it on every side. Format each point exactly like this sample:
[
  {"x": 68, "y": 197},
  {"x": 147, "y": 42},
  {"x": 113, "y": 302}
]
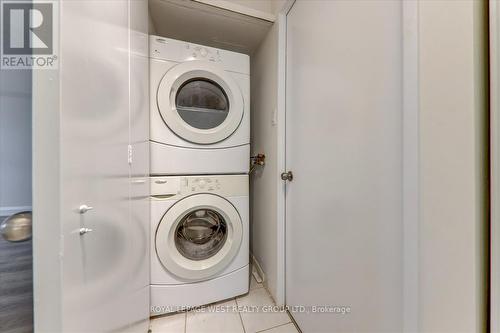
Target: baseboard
[
  {"x": 8, "y": 211},
  {"x": 257, "y": 270}
]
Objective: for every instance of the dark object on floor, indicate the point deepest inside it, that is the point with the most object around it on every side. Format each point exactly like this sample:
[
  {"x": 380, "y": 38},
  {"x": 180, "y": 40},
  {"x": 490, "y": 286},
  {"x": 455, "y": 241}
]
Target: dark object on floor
[{"x": 17, "y": 227}]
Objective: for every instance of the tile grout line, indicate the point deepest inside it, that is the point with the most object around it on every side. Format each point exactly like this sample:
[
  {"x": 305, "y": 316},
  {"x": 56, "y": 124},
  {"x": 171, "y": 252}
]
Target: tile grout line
[
  {"x": 239, "y": 315},
  {"x": 290, "y": 320},
  {"x": 271, "y": 328},
  {"x": 185, "y": 321},
  {"x": 294, "y": 322}
]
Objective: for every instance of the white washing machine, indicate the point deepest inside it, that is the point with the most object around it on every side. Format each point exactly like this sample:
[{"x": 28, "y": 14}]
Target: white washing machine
[
  {"x": 199, "y": 240},
  {"x": 200, "y": 109}
]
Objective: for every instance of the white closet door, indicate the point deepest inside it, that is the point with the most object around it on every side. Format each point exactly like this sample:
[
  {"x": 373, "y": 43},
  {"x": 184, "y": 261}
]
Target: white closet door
[
  {"x": 98, "y": 279},
  {"x": 344, "y": 147}
]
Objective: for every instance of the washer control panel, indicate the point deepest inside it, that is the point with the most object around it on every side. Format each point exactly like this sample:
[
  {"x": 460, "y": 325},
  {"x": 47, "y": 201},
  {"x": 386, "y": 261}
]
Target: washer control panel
[
  {"x": 204, "y": 184},
  {"x": 226, "y": 185}
]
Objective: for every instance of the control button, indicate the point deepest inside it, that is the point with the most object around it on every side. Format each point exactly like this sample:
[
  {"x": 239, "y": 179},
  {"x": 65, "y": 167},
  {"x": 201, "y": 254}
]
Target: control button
[{"x": 203, "y": 52}]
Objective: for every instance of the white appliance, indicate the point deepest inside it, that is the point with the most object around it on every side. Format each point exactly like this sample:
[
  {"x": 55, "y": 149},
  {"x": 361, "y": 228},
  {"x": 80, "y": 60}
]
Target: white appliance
[
  {"x": 200, "y": 109},
  {"x": 199, "y": 240}
]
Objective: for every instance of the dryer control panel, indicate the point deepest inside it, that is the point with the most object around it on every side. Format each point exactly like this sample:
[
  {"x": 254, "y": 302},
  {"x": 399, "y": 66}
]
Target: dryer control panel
[
  {"x": 175, "y": 186},
  {"x": 185, "y": 51},
  {"x": 179, "y": 51}
]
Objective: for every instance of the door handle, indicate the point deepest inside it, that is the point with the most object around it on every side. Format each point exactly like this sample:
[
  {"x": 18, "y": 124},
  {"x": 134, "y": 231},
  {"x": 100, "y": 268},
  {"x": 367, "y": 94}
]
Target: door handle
[
  {"x": 84, "y": 208},
  {"x": 287, "y": 176},
  {"x": 84, "y": 231}
]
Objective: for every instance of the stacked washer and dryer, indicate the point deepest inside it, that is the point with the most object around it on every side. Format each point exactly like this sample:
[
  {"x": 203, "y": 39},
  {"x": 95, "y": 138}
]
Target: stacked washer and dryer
[{"x": 199, "y": 147}]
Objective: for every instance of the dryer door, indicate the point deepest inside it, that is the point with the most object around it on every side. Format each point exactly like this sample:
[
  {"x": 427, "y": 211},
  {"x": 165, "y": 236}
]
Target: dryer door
[
  {"x": 199, "y": 236},
  {"x": 200, "y": 102}
]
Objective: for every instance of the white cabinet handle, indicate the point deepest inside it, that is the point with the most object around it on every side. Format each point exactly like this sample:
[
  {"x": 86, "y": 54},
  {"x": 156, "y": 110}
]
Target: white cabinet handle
[
  {"x": 84, "y": 208},
  {"x": 83, "y": 231}
]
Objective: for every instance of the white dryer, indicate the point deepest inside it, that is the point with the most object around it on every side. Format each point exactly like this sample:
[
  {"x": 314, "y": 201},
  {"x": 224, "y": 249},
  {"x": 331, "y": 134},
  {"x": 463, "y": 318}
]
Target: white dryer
[
  {"x": 199, "y": 240},
  {"x": 200, "y": 109}
]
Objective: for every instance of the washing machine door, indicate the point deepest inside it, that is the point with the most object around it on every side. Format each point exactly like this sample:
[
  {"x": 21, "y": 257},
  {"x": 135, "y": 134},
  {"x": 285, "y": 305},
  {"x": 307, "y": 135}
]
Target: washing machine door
[
  {"x": 200, "y": 102},
  {"x": 199, "y": 236}
]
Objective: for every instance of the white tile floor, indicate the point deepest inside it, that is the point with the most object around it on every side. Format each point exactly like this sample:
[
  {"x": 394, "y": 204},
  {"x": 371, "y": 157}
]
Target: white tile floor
[{"x": 247, "y": 320}]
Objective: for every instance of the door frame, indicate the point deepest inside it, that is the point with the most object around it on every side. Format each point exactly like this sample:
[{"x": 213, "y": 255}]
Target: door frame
[
  {"x": 410, "y": 165},
  {"x": 410, "y": 160},
  {"x": 281, "y": 153},
  {"x": 494, "y": 40},
  {"x": 47, "y": 239}
]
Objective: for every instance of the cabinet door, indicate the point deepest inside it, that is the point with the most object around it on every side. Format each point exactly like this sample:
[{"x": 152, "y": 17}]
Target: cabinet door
[
  {"x": 103, "y": 269},
  {"x": 139, "y": 168}
]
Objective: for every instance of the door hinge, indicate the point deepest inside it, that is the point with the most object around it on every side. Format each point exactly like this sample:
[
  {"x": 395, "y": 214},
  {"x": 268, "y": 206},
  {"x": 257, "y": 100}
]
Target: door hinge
[{"x": 129, "y": 155}]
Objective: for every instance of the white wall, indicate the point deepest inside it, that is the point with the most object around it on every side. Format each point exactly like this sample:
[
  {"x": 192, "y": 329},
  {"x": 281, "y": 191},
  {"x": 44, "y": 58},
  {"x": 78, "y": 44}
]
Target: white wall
[
  {"x": 151, "y": 25},
  {"x": 453, "y": 210},
  {"x": 264, "y": 74},
  {"x": 15, "y": 141}
]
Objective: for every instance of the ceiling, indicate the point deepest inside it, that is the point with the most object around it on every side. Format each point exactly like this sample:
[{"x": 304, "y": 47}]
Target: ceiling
[{"x": 205, "y": 24}]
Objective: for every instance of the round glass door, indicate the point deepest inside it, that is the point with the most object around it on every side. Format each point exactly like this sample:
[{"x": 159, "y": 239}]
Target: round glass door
[
  {"x": 201, "y": 234},
  {"x": 200, "y": 102}
]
